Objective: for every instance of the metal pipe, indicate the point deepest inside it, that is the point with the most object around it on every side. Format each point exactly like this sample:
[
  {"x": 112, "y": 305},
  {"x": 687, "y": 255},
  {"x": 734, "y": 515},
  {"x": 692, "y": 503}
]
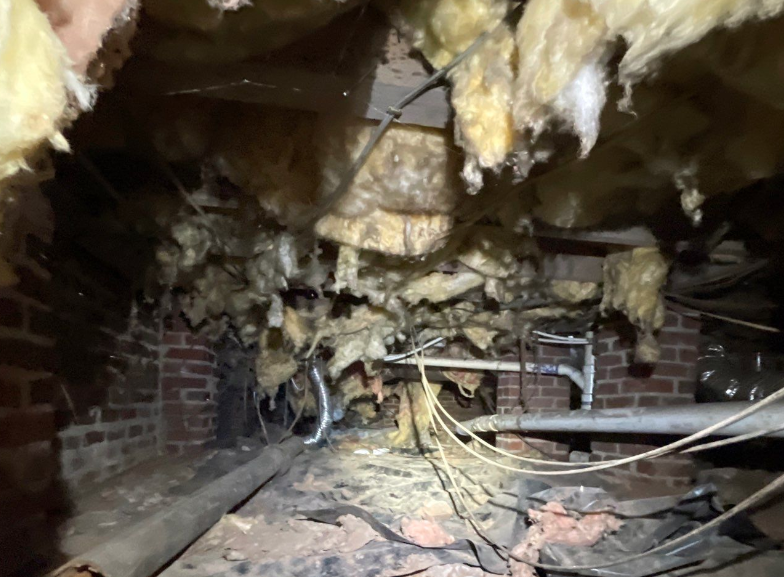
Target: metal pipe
[
  {"x": 505, "y": 366},
  {"x": 589, "y": 373},
  {"x": 679, "y": 420},
  {"x": 325, "y": 412},
  {"x": 150, "y": 544}
]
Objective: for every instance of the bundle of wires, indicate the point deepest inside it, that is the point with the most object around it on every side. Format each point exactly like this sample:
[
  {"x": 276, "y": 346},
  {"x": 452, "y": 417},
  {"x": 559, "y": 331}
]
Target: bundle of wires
[{"x": 436, "y": 410}]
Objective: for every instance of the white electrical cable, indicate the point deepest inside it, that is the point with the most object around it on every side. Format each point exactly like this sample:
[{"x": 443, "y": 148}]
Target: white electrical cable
[
  {"x": 733, "y": 440},
  {"x": 401, "y": 356},
  {"x": 562, "y": 338},
  {"x": 740, "y": 507}
]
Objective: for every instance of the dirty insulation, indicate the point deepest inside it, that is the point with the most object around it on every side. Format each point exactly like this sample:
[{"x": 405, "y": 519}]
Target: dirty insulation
[{"x": 434, "y": 232}]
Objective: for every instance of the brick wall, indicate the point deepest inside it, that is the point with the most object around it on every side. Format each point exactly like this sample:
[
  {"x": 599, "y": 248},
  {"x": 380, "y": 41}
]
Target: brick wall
[
  {"x": 189, "y": 381},
  {"x": 528, "y": 393},
  {"x": 620, "y": 384},
  {"x": 78, "y": 366},
  {"x": 123, "y": 427}
]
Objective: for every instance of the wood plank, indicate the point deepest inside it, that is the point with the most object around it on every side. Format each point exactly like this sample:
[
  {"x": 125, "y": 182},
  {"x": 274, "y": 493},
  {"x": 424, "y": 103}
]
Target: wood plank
[
  {"x": 636, "y": 236},
  {"x": 290, "y": 88}
]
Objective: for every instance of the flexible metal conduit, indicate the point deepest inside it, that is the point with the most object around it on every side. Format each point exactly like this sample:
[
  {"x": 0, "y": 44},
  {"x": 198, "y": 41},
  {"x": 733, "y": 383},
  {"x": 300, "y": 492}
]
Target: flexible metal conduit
[
  {"x": 325, "y": 412},
  {"x": 681, "y": 420}
]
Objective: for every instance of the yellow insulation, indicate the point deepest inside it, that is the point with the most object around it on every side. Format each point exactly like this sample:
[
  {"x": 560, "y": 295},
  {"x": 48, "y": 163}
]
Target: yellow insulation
[
  {"x": 482, "y": 98},
  {"x": 33, "y": 94},
  {"x": 633, "y": 281},
  {"x": 550, "y": 73}
]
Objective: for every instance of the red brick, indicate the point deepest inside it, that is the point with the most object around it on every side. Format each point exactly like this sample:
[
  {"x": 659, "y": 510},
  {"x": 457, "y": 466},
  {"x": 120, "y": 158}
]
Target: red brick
[
  {"x": 604, "y": 447},
  {"x": 540, "y": 403},
  {"x": 12, "y": 395},
  {"x": 672, "y": 319},
  {"x": 555, "y": 392},
  {"x": 135, "y": 431},
  {"x": 687, "y": 387},
  {"x": 184, "y": 383},
  {"x": 664, "y": 369},
  {"x": 654, "y": 385},
  {"x": 618, "y": 372},
  {"x": 115, "y": 435},
  {"x": 618, "y": 402},
  {"x": 688, "y": 356},
  {"x": 680, "y": 338},
  {"x": 606, "y": 389},
  {"x": 22, "y": 353},
  {"x": 177, "y": 339},
  {"x": 128, "y": 414},
  {"x": 668, "y": 353},
  {"x": 611, "y": 360},
  {"x": 647, "y": 401},
  {"x": 24, "y": 426},
  {"x": 32, "y": 285},
  {"x": 173, "y": 367},
  {"x": 197, "y": 396},
  {"x": 190, "y": 354},
  {"x": 691, "y": 323},
  {"x": 10, "y": 313},
  {"x": 197, "y": 340}
]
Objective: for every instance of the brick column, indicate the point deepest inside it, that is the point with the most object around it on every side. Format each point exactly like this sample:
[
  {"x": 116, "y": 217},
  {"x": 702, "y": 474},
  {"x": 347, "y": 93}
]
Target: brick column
[
  {"x": 189, "y": 383},
  {"x": 537, "y": 394},
  {"x": 621, "y": 384}
]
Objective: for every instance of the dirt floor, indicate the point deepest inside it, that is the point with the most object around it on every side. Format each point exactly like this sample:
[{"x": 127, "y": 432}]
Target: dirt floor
[{"x": 298, "y": 524}]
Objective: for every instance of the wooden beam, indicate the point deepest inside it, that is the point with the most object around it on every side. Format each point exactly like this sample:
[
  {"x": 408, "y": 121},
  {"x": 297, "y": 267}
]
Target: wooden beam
[
  {"x": 369, "y": 82},
  {"x": 636, "y": 236}
]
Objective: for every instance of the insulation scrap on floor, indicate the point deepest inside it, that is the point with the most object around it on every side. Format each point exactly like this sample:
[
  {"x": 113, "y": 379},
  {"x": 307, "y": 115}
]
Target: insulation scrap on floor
[
  {"x": 425, "y": 532},
  {"x": 633, "y": 281},
  {"x": 552, "y": 524}
]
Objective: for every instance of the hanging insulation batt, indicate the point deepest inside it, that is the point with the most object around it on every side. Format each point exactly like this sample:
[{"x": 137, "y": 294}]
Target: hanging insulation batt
[
  {"x": 399, "y": 202},
  {"x": 565, "y": 80},
  {"x": 33, "y": 94},
  {"x": 632, "y": 285},
  {"x": 482, "y": 84}
]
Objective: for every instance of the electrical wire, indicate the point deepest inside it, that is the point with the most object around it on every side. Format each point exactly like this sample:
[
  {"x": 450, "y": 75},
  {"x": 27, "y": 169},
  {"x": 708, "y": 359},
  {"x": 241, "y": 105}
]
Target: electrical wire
[
  {"x": 400, "y": 356},
  {"x": 578, "y": 468},
  {"x": 562, "y": 338},
  {"x": 744, "y": 505},
  {"x": 733, "y": 440}
]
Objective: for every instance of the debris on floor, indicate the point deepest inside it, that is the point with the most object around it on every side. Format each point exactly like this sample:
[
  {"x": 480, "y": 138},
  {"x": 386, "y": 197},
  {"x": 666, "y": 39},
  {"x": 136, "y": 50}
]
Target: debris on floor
[{"x": 341, "y": 513}]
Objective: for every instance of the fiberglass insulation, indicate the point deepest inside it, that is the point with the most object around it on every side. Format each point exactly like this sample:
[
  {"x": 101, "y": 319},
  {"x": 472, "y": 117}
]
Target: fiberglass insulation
[
  {"x": 553, "y": 74},
  {"x": 33, "y": 95},
  {"x": 632, "y": 285}
]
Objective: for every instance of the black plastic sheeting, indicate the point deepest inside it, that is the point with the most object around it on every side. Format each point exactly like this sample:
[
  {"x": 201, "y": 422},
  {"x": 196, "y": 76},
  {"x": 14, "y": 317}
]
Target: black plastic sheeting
[
  {"x": 648, "y": 523},
  {"x": 724, "y": 377}
]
